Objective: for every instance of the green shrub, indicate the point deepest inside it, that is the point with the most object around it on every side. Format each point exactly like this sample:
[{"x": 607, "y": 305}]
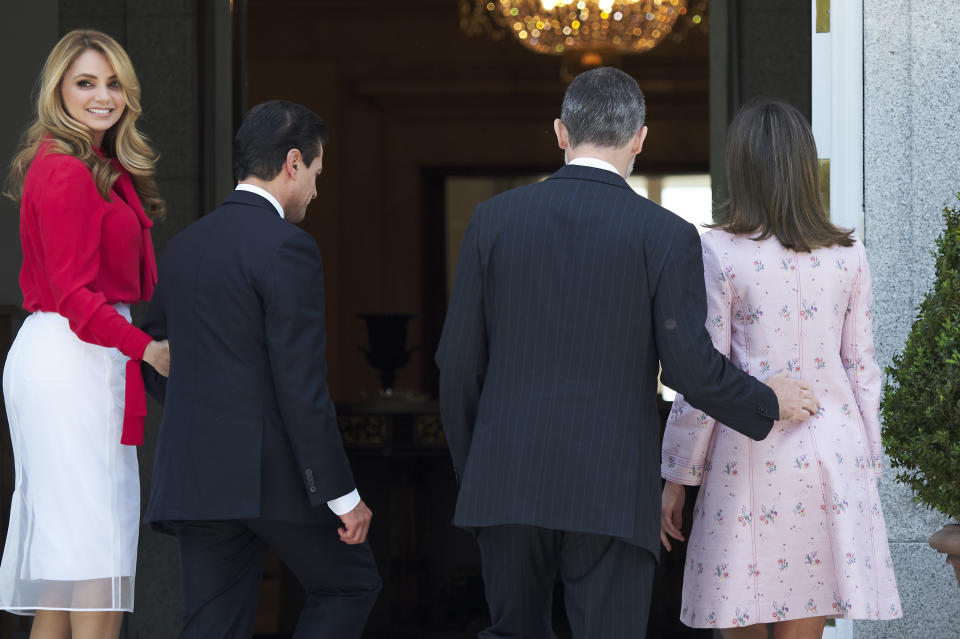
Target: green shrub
[{"x": 921, "y": 399}]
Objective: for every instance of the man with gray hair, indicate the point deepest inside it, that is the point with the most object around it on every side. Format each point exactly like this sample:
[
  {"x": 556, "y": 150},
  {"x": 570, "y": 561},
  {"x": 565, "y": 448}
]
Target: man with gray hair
[{"x": 567, "y": 295}]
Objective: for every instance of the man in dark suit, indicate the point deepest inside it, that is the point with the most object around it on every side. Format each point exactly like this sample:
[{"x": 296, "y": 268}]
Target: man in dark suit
[
  {"x": 567, "y": 294},
  {"x": 250, "y": 456}
]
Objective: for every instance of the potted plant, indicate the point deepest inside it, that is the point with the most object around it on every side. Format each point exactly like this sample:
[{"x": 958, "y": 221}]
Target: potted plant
[{"x": 921, "y": 399}]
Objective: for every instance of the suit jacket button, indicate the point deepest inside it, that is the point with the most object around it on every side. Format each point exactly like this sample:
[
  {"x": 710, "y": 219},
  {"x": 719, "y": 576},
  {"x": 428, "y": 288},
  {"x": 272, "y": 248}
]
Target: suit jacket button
[
  {"x": 308, "y": 473},
  {"x": 313, "y": 489}
]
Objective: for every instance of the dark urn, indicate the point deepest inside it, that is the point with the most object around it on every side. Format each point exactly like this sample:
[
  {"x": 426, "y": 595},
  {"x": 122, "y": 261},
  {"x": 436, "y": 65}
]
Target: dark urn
[{"x": 388, "y": 350}]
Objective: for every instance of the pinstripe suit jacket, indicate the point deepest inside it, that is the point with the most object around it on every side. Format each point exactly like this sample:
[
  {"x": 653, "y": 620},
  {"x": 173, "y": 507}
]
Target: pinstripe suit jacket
[{"x": 567, "y": 294}]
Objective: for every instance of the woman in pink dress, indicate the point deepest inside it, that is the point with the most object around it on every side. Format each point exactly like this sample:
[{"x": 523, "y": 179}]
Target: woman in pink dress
[{"x": 788, "y": 530}]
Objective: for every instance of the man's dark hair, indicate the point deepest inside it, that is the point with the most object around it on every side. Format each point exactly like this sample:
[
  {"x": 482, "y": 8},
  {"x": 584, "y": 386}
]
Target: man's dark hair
[
  {"x": 603, "y": 107},
  {"x": 268, "y": 133}
]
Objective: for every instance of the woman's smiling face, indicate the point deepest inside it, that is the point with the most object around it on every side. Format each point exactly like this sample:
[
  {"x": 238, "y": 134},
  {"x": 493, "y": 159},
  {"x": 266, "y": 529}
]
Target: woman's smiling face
[{"x": 92, "y": 94}]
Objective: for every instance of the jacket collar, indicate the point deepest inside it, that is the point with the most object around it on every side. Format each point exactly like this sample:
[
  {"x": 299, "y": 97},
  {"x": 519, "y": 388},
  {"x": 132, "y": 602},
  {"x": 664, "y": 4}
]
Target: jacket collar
[
  {"x": 247, "y": 198},
  {"x": 577, "y": 172}
]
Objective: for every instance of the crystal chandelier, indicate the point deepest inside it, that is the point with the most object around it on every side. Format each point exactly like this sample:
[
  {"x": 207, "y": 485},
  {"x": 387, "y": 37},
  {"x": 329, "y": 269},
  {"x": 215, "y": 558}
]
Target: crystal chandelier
[{"x": 599, "y": 27}]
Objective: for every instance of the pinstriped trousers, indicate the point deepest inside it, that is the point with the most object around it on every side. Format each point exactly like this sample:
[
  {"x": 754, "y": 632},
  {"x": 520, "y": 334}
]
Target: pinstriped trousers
[{"x": 607, "y": 582}]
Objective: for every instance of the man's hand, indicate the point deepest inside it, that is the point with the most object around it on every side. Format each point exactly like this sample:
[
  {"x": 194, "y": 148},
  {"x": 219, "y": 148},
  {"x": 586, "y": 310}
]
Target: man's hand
[
  {"x": 797, "y": 401},
  {"x": 157, "y": 354},
  {"x": 356, "y": 523},
  {"x": 671, "y": 513}
]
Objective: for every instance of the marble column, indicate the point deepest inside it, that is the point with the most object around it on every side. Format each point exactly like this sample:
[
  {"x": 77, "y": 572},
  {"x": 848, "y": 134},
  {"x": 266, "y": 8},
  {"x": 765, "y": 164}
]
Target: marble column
[
  {"x": 162, "y": 41},
  {"x": 911, "y": 171},
  {"x": 28, "y": 30}
]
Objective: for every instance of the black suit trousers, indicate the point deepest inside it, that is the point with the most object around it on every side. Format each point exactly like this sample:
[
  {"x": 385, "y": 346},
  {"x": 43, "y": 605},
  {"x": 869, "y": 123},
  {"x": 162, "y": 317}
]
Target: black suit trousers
[
  {"x": 607, "y": 582},
  {"x": 222, "y": 566}
]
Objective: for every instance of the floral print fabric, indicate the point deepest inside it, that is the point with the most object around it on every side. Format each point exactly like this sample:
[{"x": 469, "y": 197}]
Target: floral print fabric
[{"x": 790, "y": 526}]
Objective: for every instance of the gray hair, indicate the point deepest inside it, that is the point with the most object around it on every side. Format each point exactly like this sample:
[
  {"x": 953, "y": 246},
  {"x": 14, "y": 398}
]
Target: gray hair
[{"x": 603, "y": 107}]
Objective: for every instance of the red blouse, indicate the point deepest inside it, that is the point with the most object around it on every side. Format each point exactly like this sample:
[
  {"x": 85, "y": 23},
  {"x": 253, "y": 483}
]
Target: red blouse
[{"x": 81, "y": 255}]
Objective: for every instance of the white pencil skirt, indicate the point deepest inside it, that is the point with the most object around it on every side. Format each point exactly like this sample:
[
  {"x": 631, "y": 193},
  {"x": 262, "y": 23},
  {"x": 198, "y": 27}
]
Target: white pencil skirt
[{"x": 74, "y": 520}]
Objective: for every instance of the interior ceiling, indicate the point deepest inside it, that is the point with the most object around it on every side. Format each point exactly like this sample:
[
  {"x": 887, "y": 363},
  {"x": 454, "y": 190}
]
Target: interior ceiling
[{"x": 412, "y": 54}]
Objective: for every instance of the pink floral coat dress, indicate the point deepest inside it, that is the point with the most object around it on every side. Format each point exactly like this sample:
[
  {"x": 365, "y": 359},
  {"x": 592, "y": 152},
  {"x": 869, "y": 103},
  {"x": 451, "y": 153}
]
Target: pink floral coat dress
[{"x": 790, "y": 526}]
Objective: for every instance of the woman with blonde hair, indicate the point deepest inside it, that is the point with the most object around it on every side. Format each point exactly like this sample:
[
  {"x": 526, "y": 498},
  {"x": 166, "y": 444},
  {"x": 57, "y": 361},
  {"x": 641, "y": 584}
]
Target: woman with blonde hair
[
  {"x": 786, "y": 531},
  {"x": 84, "y": 178}
]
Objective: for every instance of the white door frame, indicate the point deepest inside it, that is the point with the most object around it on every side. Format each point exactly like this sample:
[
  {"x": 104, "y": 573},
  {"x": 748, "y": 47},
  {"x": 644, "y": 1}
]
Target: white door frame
[
  {"x": 837, "y": 121},
  {"x": 837, "y": 104}
]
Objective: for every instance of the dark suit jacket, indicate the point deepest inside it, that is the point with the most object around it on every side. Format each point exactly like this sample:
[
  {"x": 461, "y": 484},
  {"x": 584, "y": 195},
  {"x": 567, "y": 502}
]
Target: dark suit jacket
[
  {"x": 248, "y": 428},
  {"x": 567, "y": 294}
]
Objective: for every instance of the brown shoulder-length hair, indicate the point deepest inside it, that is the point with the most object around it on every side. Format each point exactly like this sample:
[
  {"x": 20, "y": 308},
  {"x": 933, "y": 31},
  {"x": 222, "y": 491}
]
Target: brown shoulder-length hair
[
  {"x": 69, "y": 137},
  {"x": 772, "y": 180}
]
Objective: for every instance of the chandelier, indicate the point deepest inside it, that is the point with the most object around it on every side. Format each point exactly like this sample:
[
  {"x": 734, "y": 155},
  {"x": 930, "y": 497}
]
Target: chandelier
[{"x": 597, "y": 27}]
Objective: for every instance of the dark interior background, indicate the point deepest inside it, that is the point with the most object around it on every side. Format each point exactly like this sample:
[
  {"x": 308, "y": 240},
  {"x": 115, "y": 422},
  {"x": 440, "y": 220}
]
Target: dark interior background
[{"x": 410, "y": 100}]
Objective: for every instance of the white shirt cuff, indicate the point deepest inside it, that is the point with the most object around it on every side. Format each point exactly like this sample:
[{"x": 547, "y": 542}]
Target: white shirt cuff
[{"x": 343, "y": 505}]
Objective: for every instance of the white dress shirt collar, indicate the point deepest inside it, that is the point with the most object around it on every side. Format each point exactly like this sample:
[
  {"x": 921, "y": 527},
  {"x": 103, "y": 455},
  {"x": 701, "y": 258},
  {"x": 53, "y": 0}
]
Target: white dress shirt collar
[
  {"x": 252, "y": 188},
  {"x": 595, "y": 163}
]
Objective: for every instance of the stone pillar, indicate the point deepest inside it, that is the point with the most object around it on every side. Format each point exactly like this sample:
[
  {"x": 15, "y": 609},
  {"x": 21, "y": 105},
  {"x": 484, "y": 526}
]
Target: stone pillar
[
  {"x": 162, "y": 41},
  {"x": 28, "y": 30},
  {"x": 911, "y": 171}
]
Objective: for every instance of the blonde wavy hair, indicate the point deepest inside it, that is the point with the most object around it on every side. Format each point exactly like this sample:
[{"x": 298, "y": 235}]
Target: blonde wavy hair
[{"x": 69, "y": 137}]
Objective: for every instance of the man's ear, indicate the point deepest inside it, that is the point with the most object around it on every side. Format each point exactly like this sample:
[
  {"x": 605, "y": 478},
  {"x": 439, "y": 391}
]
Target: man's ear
[
  {"x": 292, "y": 162},
  {"x": 563, "y": 141},
  {"x": 638, "y": 139}
]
